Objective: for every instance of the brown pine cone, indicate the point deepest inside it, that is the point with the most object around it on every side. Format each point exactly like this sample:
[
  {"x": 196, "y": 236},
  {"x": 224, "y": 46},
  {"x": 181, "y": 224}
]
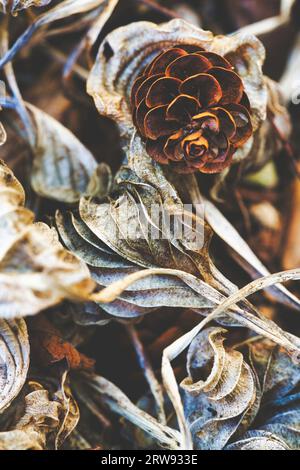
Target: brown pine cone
[{"x": 192, "y": 110}]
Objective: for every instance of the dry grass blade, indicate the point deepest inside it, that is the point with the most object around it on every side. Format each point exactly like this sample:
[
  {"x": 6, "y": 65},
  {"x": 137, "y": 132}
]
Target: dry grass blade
[
  {"x": 154, "y": 385},
  {"x": 117, "y": 401},
  {"x": 232, "y": 238}
]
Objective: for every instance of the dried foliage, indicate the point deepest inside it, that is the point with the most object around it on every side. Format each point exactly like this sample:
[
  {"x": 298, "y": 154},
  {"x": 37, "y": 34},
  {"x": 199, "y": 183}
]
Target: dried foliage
[
  {"x": 184, "y": 125},
  {"x": 234, "y": 391},
  {"x": 48, "y": 416},
  {"x": 48, "y": 273},
  {"x": 62, "y": 167}
]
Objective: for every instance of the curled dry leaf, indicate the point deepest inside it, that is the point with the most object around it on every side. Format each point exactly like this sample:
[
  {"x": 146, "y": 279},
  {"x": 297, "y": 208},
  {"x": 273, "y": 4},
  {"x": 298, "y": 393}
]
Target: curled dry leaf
[
  {"x": 14, "y": 359},
  {"x": 216, "y": 401},
  {"x": 178, "y": 275},
  {"x": 226, "y": 388},
  {"x": 62, "y": 165},
  {"x": 289, "y": 342},
  {"x": 49, "y": 273},
  {"x": 70, "y": 413},
  {"x": 47, "y": 420},
  {"x": 41, "y": 416},
  {"x": 141, "y": 291},
  {"x": 116, "y": 243}
]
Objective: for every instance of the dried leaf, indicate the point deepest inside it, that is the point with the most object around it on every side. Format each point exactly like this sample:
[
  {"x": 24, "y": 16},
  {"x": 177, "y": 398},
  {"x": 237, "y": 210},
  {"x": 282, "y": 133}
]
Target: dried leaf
[
  {"x": 41, "y": 416},
  {"x": 49, "y": 273},
  {"x": 70, "y": 412},
  {"x": 127, "y": 225},
  {"x": 266, "y": 143},
  {"x": 222, "y": 395},
  {"x": 62, "y": 166},
  {"x": 48, "y": 418},
  {"x": 14, "y": 359},
  {"x": 215, "y": 405},
  {"x": 257, "y": 324}
]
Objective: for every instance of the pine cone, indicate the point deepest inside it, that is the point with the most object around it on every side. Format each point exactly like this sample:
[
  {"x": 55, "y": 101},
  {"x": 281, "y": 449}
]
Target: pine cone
[{"x": 192, "y": 110}]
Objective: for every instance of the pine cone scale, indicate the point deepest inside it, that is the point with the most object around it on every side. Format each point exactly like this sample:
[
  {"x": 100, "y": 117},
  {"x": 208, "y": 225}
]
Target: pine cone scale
[
  {"x": 204, "y": 87},
  {"x": 162, "y": 91}
]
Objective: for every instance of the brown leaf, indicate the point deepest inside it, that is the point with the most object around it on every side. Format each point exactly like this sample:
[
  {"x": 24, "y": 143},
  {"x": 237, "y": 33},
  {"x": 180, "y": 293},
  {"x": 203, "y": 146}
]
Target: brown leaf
[{"x": 48, "y": 346}]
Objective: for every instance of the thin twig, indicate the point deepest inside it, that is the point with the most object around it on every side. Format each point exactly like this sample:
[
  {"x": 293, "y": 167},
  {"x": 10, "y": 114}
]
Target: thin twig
[
  {"x": 243, "y": 209},
  {"x": 160, "y": 9},
  {"x": 63, "y": 59},
  {"x": 149, "y": 375}
]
